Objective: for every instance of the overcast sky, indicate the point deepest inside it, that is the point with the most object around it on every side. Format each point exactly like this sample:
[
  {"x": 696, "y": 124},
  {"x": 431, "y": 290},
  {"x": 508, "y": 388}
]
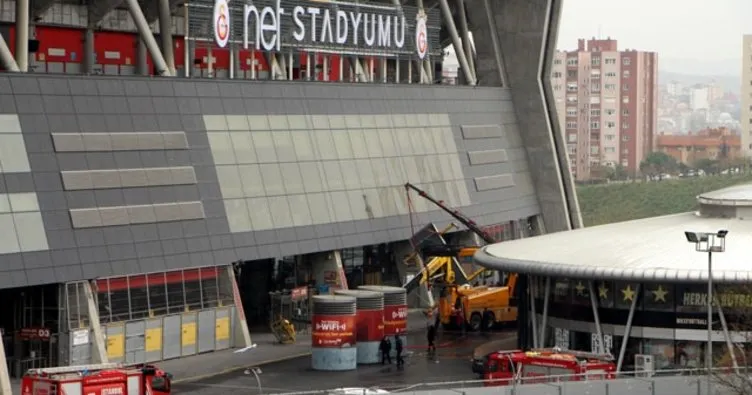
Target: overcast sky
[{"x": 692, "y": 36}]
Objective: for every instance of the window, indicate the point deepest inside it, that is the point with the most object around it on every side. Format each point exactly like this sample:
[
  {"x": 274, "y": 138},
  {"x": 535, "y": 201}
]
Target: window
[
  {"x": 572, "y": 87},
  {"x": 610, "y": 61},
  {"x": 625, "y": 138},
  {"x": 571, "y": 125},
  {"x": 594, "y": 150},
  {"x": 625, "y": 87},
  {"x": 595, "y": 87},
  {"x": 571, "y": 99},
  {"x": 610, "y": 124},
  {"x": 609, "y": 137},
  {"x": 557, "y": 74},
  {"x": 571, "y": 111},
  {"x": 571, "y": 61},
  {"x": 609, "y": 150},
  {"x": 595, "y": 125},
  {"x": 625, "y": 99},
  {"x": 625, "y": 112},
  {"x": 610, "y": 111},
  {"x": 611, "y": 74},
  {"x": 596, "y": 112},
  {"x": 572, "y": 138},
  {"x": 595, "y": 61},
  {"x": 625, "y": 125},
  {"x": 557, "y": 61},
  {"x": 626, "y": 61},
  {"x": 572, "y": 74},
  {"x": 557, "y": 87},
  {"x": 595, "y": 100},
  {"x": 625, "y": 74},
  {"x": 610, "y": 87}
]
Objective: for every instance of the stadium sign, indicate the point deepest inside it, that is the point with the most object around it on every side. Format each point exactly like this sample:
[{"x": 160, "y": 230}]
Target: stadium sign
[{"x": 327, "y": 26}]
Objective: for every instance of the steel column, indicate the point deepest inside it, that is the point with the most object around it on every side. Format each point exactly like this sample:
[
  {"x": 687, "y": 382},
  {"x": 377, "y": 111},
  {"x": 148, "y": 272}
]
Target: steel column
[
  {"x": 466, "y": 42},
  {"x": 594, "y": 304},
  {"x": 187, "y": 59},
  {"x": 383, "y": 70},
  {"x": 165, "y": 33},
  {"x": 142, "y": 66},
  {"x": 628, "y": 328},
  {"x": 498, "y": 54},
  {"x": 231, "y": 71},
  {"x": 410, "y": 72},
  {"x": 531, "y": 289},
  {"x": 99, "y": 348},
  {"x": 22, "y": 35},
  {"x": 210, "y": 61},
  {"x": 290, "y": 66},
  {"x": 546, "y": 296},
  {"x": 726, "y": 333},
  {"x": 308, "y": 66},
  {"x": 151, "y": 44},
  {"x": 6, "y": 57},
  {"x": 469, "y": 74},
  {"x": 89, "y": 54},
  {"x": 397, "y": 70},
  {"x": 341, "y": 68},
  {"x": 325, "y": 67}
]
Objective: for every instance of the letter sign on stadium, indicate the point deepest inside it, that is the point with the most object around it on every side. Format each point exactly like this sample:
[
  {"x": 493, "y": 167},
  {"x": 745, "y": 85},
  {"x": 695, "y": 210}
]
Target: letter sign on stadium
[{"x": 221, "y": 23}]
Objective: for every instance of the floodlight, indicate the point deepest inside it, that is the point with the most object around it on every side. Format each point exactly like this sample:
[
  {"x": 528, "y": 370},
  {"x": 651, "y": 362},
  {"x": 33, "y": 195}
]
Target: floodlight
[
  {"x": 722, "y": 233},
  {"x": 696, "y": 237}
]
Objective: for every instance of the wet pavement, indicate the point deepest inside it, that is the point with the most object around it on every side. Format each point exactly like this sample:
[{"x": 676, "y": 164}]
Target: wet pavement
[{"x": 451, "y": 363}]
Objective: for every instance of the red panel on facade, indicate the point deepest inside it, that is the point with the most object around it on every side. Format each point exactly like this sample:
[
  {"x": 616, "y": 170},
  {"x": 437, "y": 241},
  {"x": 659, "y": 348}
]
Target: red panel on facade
[
  {"x": 57, "y": 44},
  {"x": 177, "y": 43},
  {"x": 140, "y": 281},
  {"x": 115, "y": 48}
]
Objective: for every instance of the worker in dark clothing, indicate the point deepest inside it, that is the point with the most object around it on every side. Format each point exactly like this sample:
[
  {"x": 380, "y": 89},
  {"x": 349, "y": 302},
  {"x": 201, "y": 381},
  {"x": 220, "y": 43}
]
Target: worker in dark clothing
[
  {"x": 398, "y": 348},
  {"x": 386, "y": 349},
  {"x": 431, "y": 337}
]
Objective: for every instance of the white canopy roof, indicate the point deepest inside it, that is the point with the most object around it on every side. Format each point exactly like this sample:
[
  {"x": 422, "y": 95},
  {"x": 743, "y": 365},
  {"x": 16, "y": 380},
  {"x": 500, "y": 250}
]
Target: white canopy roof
[{"x": 653, "y": 249}]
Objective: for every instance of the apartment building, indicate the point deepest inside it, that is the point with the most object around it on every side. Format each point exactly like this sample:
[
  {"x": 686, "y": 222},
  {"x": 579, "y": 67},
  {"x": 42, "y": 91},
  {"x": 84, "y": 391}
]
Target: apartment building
[
  {"x": 606, "y": 100},
  {"x": 746, "y": 100}
]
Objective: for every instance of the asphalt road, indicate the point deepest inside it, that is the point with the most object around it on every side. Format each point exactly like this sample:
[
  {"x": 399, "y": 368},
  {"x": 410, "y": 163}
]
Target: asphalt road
[{"x": 451, "y": 363}]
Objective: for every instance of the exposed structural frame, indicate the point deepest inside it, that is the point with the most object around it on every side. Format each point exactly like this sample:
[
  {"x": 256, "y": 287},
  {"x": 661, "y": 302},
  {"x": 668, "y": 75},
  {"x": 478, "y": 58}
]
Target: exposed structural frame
[
  {"x": 598, "y": 328},
  {"x": 628, "y": 328},
  {"x": 457, "y": 43},
  {"x": 148, "y": 38},
  {"x": 6, "y": 57},
  {"x": 544, "y": 320}
]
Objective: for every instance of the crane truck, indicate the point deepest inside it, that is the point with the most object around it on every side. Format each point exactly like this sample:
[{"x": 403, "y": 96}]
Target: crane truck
[{"x": 461, "y": 304}]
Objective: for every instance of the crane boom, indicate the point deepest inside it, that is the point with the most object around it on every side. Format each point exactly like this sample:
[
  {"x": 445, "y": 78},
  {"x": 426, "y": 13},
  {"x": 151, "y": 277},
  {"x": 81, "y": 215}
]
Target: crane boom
[{"x": 456, "y": 214}]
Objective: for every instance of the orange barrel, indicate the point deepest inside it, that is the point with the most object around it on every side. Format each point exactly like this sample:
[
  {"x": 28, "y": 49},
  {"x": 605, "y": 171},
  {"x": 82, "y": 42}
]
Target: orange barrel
[
  {"x": 333, "y": 344},
  {"x": 395, "y": 310},
  {"x": 369, "y": 324}
]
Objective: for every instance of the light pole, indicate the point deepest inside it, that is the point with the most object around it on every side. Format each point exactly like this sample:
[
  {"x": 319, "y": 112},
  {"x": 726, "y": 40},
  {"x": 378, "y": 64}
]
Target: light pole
[
  {"x": 710, "y": 243},
  {"x": 256, "y": 372}
]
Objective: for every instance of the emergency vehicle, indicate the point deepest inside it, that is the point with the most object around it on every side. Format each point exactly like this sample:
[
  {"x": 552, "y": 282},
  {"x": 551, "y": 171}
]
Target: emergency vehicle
[
  {"x": 97, "y": 379},
  {"x": 549, "y": 364}
]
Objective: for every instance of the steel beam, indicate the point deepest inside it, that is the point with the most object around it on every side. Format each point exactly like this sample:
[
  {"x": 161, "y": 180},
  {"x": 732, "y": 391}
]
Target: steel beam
[
  {"x": 40, "y": 7},
  {"x": 531, "y": 289},
  {"x": 22, "y": 35},
  {"x": 726, "y": 334},
  {"x": 498, "y": 54},
  {"x": 6, "y": 57},
  {"x": 544, "y": 323},
  {"x": 89, "y": 54},
  {"x": 598, "y": 329},
  {"x": 142, "y": 65},
  {"x": 165, "y": 34},
  {"x": 148, "y": 38},
  {"x": 98, "y": 9},
  {"x": 187, "y": 58},
  {"x": 467, "y": 44},
  {"x": 628, "y": 328},
  {"x": 457, "y": 43},
  {"x": 99, "y": 349}
]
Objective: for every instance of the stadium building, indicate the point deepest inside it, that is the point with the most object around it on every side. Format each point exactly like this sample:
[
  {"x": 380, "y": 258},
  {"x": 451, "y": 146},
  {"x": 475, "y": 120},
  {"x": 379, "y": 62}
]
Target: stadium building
[
  {"x": 165, "y": 165},
  {"x": 640, "y": 287}
]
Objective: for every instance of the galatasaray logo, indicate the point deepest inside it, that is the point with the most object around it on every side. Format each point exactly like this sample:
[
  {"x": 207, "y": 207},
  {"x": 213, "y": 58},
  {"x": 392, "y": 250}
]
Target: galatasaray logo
[
  {"x": 221, "y": 23},
  {"x": 421, "y": 36}
]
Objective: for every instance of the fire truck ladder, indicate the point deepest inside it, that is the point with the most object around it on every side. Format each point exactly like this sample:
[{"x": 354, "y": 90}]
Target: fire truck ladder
[
  {"x": 75, "y": 369},
  {"x": 577, "y": 354}
]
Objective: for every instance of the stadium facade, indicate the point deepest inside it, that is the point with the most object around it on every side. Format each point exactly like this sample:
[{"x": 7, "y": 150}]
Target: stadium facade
[{"x": 154, "y": 184}]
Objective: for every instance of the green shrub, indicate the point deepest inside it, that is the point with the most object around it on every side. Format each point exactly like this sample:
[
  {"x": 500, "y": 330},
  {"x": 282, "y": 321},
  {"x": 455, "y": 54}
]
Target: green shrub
[{"x": 608, "y": 203}]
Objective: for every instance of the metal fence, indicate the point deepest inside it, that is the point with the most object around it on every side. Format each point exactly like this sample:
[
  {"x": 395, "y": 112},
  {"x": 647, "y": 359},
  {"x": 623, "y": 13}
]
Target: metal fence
[{"x": 668, "y": 382}]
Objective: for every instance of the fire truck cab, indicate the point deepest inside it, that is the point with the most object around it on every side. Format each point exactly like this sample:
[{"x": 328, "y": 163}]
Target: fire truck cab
[
  {"x": 98, "y": 379},
  {"x": 550, "y": 364}
]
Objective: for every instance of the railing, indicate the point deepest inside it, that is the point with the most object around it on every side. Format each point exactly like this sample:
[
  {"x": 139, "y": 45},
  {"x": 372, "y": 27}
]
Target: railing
[{"x": 661, "y": 382}]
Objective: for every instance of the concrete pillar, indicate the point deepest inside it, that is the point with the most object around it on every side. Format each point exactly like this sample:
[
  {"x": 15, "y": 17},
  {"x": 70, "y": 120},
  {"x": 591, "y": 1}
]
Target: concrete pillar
[
  {"x": 99, "y": 348},
  {"x": 242, "y": 334},
  {"x": 22, "y": 35},
  {"x": 165, "y": 33},
  {"x": 146, "y": 35},
  {"x": 142, "y": 65},
  {"x": 6, "y": 57},
  {"x": 89, "y": 54},
  {"x": 327, "y": 269}
]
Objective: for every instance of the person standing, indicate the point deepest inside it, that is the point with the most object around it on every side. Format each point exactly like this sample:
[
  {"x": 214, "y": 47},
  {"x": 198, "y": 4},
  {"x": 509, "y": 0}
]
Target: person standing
[
  {"x": 386, "y": 349},
  {"x": 398, "y": 348},
  {"x": 431, "y": 337}
]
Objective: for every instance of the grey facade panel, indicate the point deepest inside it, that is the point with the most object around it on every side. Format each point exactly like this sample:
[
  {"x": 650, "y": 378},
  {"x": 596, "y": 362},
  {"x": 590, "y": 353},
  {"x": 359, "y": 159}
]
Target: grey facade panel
[
  {"x": 140, "y": 221},
  {"x": 486, "y": 157},
  {"x": 494, "y": 182}
]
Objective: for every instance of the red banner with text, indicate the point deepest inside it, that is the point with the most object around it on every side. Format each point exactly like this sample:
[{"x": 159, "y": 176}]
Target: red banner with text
[
  {"x": 333, "y": 330},
  {"x": 395, "y": 320},
  {"x": 370, "y": 325}
]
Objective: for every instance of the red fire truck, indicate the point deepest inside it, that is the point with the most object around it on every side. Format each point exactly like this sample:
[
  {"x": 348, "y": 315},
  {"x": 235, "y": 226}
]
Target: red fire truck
[
  {"x": 543, "y": 365},
  {"x": 98, "y": 379}
]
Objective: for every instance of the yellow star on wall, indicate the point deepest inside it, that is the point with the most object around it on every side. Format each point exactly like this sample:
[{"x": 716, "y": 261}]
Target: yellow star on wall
[
  {"x": 603, "y": 291},
  {"x": 659, "y": 295},
  {"x": 628, "y": 293},
  {"x": 580, "y": 289}
]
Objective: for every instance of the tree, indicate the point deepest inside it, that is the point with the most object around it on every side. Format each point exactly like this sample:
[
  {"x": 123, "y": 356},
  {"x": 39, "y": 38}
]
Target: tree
[
  {"x": 656, "y": 164},
  {"x": 709, "y": 166}
]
